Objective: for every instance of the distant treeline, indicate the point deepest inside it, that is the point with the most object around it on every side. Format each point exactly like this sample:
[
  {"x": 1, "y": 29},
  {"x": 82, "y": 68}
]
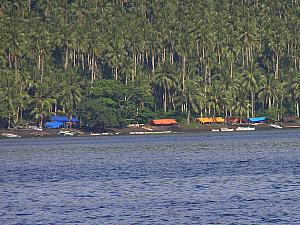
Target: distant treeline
[{"x": 148, "y": 58}]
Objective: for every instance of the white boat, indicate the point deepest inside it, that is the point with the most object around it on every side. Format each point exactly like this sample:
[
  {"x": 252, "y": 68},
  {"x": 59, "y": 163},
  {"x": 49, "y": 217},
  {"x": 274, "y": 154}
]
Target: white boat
[
  {"x": 36, "y": 128},
  {"x": 276, "y": 126},
  {"x": 66, "y": 133},
  {"x": 215, "y": 130},
  {"x": 245, "y": 128},
  {"x": 8, "y": 135},
  {"x": 95, "y": 134},
  {"x": 226, "y": 129}
]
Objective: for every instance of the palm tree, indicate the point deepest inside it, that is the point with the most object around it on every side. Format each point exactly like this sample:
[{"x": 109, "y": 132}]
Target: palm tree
[
  {"x": 295, "y": 90},
  {"x": 250, "y": 82},
  {"x": 242, "y": 105},
  {"x": 41, "y": 107},
  {"x": 71, "y": 93},
  {"x": 266, "y": 93},
  {"x": 165, "y": 81},
  {"x": 216, "y": 98},
  {"x": 192, "y": 96},
  {"x": 9, "y": 93}
]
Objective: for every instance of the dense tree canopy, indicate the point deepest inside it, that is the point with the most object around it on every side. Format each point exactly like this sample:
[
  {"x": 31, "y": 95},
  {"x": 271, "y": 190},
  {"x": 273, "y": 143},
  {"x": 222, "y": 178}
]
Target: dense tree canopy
[{"x": 195, "y": 58}]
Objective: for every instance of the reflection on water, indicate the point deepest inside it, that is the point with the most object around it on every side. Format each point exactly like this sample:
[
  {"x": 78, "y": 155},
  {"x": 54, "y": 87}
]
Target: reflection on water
[{"x": 236, "y": 178}]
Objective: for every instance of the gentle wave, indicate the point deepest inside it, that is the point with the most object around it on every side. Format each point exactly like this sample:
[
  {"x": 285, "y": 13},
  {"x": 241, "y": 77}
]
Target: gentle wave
[{"x": 177, "y": 179}]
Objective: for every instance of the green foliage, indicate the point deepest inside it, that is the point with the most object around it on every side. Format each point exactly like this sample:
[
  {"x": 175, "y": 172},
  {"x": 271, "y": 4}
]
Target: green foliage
[
  {"x": 210, "y": 58},
  {"x": 3, "y": 112},
  {"x": 273, "y": 114},
  {"x": 110, "y": 103},
  {"x": 99, "y": 113}
]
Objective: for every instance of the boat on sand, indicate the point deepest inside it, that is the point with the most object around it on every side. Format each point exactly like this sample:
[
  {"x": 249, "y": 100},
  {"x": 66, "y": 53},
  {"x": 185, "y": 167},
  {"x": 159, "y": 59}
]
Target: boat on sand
[
  {"x": 226, "y": 129},
  {"x": 9, "y": 135},
  {"x": 245, "y": 128},
  {"x": 276, "y": 126},
  {"x": 215, "y": 130},
  {"x": 65, "y": 133}
]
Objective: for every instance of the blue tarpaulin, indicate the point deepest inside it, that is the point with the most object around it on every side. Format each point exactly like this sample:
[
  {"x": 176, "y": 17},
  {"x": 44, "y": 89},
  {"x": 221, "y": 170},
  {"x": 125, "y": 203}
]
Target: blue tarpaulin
[
  {"x": 64, "y": 119},
  {"x": 257, "y": 119},
  {"x": 54, "y": 124}
]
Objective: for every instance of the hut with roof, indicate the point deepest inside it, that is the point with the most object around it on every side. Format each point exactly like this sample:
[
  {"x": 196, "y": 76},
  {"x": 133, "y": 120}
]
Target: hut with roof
[{"x": 61, "y": 122}]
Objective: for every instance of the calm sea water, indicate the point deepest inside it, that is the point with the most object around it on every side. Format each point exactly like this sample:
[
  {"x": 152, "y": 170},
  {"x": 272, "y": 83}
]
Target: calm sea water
[{"x": 212, "y": 178}]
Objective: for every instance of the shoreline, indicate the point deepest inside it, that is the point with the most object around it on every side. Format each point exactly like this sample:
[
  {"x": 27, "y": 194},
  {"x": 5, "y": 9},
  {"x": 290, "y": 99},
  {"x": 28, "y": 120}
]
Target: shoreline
[{"x": 146, "y": 130}]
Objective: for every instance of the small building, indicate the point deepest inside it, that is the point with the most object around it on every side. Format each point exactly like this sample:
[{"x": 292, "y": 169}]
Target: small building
[
  {"x": 233, "y": 120},
  {"x": 61, "y": 122},
  {"x": 258, "y": 119},
  {"x": 208, "y": 120},
  {"x": 163, "y": 122},
  {"x": 289, "y": 119},
  {"x": 54, "y": 125}
]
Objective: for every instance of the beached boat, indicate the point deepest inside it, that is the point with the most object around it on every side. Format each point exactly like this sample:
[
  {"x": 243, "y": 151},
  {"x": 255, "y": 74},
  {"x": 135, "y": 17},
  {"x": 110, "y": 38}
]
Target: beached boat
[
  {"x": 226, "y": 129},
  {"x": 293, "y": 126},
  {"x": 276, "y": 126},
  {"x": 8, "y": 135},
  {"x": 65, "y": 133},
  {"x": 215, "y": 130},
  {"x": 36, "y": 128},
  {"x": 245, "y": 128}
]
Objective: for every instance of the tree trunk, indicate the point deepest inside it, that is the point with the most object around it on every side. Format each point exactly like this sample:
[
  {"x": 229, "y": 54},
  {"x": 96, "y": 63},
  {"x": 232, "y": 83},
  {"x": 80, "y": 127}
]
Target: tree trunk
[
  {"x": 135, "y": 68},
  {"x": 17, "y": 115},
  {"x": 188, "y": 115},
  {"x": 66, "y": 58},
  {"x": 116, "y": 73},
  {"x": 55, "y": 109},
  {"x": 231, "y": 69},
  {"x": 29, "y": 5},
  {"x": 82, "y": 60},
  {"x": 171, "y": 56},
  {"x": 183, "y": 80},
  {"x": 42, "y": 70},
  {"x": 41, "y": 121},
  {"x": 74, "y": 58},
  {"x": 153, "y": 62},
  {"x": 92, "y": 66},
  {"x": 252, "y": 104},
  {"x": 277, "y": 67},
  {"x": 165, "y": 101},
  {"x": 9, "y": 60},
  {"x": 39, "y": 61}
]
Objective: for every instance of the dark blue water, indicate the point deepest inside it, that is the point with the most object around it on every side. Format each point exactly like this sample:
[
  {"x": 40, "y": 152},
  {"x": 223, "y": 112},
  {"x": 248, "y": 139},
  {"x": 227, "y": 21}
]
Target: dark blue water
[{"x": 224, "y": 178}]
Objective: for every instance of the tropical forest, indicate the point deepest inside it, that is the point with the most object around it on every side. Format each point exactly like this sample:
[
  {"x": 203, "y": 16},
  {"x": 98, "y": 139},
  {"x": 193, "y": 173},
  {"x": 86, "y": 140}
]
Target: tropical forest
[{"x": 115, "y": 62}]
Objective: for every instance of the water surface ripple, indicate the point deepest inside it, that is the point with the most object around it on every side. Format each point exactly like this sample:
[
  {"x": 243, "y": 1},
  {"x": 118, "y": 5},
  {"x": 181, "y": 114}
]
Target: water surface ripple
[{"x": 236, "y": 178}]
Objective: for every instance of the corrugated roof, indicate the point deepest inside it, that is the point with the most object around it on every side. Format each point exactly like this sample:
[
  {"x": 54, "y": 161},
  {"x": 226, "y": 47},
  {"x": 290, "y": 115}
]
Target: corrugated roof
[
  {"x": 63, "y": 119},
  {"x": 210, "y": 120},
  {"x": 164, "y": 122},
  {"x": 258, "y": 119}
]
